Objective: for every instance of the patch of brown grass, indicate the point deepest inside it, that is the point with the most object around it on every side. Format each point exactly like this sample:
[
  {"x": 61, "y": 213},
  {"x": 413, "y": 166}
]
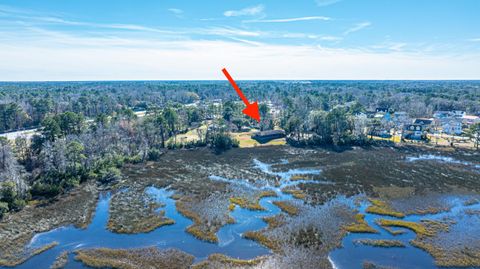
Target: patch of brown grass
[
  {"x": 150, "y": 257},
  {"x": 287, "y": 207},
  {"x": 217, "y": 259},
  {"x": 263, "y": 239},
  {"x": 379, "y": 207},
  {"x": 360, "y": 226}
]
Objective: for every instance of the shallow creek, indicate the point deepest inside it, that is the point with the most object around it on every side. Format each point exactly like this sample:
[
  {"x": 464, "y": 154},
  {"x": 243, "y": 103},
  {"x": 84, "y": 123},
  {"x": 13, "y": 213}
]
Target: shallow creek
[
  {"x": 231, "y": 242},
  {"x": 353, "y": 255}
]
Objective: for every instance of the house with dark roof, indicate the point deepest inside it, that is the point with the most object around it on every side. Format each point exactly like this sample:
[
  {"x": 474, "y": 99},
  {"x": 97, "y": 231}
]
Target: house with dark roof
[
  {"x": 423, "y": 121},
  {"x": 414, "y": 131},
  {"x": 265, "y": 136}
]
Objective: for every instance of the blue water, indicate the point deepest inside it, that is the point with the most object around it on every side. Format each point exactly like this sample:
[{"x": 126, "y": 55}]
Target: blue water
[
  {"x": 231, "y": 242},
  {"x": 353, "y": 255}
]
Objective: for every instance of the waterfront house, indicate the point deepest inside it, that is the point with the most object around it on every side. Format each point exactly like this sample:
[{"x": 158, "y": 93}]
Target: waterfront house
[{"x": 265, "y": 136}]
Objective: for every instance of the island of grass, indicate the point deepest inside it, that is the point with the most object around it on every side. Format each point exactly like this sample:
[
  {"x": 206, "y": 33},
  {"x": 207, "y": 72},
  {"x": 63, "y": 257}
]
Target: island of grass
[
  {"x": 380, "y": 243},
  {"x": 287, "y": 207},
  {"x": 221, "y": 261},
  {"x": 360, "y": 225},
  {"x": 379, "y": 207},
  {"x": 150, "y": 257}
]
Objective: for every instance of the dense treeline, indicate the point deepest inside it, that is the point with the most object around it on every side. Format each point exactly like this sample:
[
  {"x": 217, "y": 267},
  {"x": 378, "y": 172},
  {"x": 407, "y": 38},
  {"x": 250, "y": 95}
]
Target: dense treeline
[
  {"x": 88, "y": 130},
  {"x": 25, "y": 105}
]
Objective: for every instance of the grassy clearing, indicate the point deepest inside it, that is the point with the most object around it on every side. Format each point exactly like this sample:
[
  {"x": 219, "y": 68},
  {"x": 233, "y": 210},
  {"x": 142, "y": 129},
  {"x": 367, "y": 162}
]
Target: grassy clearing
[
  {"x": 262, "y": 239},
  {"x": 246, "y": 141},
  {"x": 379, "y": 207},
  {"x": 380, "y": 243},
  {"x": 150, "y": 257},
  {"x": 190, "y": 136},
  {"x": 360, "y": 226},
  {"x": 225, "y": 261},
  {"x": 287, "y": 207}
]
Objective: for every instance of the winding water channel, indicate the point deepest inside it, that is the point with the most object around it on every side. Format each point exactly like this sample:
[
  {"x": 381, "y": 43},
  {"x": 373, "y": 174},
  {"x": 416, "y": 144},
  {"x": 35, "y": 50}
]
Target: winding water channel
[{"x": 231, "y": 242}]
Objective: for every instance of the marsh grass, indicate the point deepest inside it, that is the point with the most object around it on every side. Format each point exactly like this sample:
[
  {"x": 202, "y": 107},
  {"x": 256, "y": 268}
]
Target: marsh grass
[
  {"x": 196, "y": 228},
  {"x": 151, "y": 257},
  {"x": 275, "y": 221},
  {"x": 244, "y": 203},
  {"x": 263, "y": 239},
  {"x": 360, "y": 225},
  {"x": 298, "y": 194},
  {"x": 15, "y": 260},
  {"x": 61, "y": 261},
  {"x": 221, "y": 261},
  {"x": 379, "y": 207},
  {"x": 287, "y": 207},
  {"x": 380, "y": 243}
]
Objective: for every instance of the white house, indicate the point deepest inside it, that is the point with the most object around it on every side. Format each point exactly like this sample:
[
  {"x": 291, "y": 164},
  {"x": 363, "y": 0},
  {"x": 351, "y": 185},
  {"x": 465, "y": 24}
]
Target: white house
[
  {"x": 470, "y": 119},
  {"x": 452, "y": 127}
]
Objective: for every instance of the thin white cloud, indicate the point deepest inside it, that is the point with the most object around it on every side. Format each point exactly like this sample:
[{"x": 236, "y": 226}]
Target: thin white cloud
[
  {"x": 48, "y": 57},
  {"x": 323, "y": 3},
  {"x": 358, "y": 27},
  {"x": 474, "y": 39},
  {"x": 176, "y": 11},
  {"x": 249, "y": 11},
  {"x": 308, "y": 18},
  {"x": 228, "y": 31}
]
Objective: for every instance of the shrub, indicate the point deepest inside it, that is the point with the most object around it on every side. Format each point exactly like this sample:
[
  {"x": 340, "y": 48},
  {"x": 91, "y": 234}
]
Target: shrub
[
  {"x": 154, "y": 154},
  {"x": 134, "y": 159},
  {"x": 17, "y": 205},
  {"x": 3, "y": 209},
  {"x": 45, "y": 190},
  {"x": 222, "y": 142},
  {"x": 70, "y": 182},
  {"x": 109, "y": 175}
]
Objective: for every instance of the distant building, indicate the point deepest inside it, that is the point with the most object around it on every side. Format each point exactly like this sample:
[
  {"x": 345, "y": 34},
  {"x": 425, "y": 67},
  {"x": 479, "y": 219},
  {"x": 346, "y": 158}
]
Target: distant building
[
  {"x": 414, "y": 131},
  {"x": 381, "y": 109},
  {"x": 424, "y": 122},
  {"x": 401, "y": 118},
  {"x": 383, "y": 116},
  {"x": 452, "y": 126},
  {"x": 470, "y": 119},
  {"x": 265, "y": 136},
  {"x": 449, "y": 114}
]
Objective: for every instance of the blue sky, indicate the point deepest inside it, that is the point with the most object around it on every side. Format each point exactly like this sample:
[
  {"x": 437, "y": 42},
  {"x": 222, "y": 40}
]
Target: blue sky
[{"x": 264, "y": 39}]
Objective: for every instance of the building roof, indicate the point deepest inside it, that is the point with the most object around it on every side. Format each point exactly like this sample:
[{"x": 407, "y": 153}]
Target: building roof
[
  {"x": 269, "y": 133},
  {"x": 423, "y": 121}
]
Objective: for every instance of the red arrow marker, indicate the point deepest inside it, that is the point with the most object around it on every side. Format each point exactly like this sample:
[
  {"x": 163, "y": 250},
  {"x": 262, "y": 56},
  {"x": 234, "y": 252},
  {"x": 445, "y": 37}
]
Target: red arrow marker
[{"x": 252, "y": 108}]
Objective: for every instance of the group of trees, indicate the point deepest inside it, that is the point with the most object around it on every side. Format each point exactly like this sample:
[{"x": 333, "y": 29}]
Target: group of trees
[{"x": 88, "y": 130}]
